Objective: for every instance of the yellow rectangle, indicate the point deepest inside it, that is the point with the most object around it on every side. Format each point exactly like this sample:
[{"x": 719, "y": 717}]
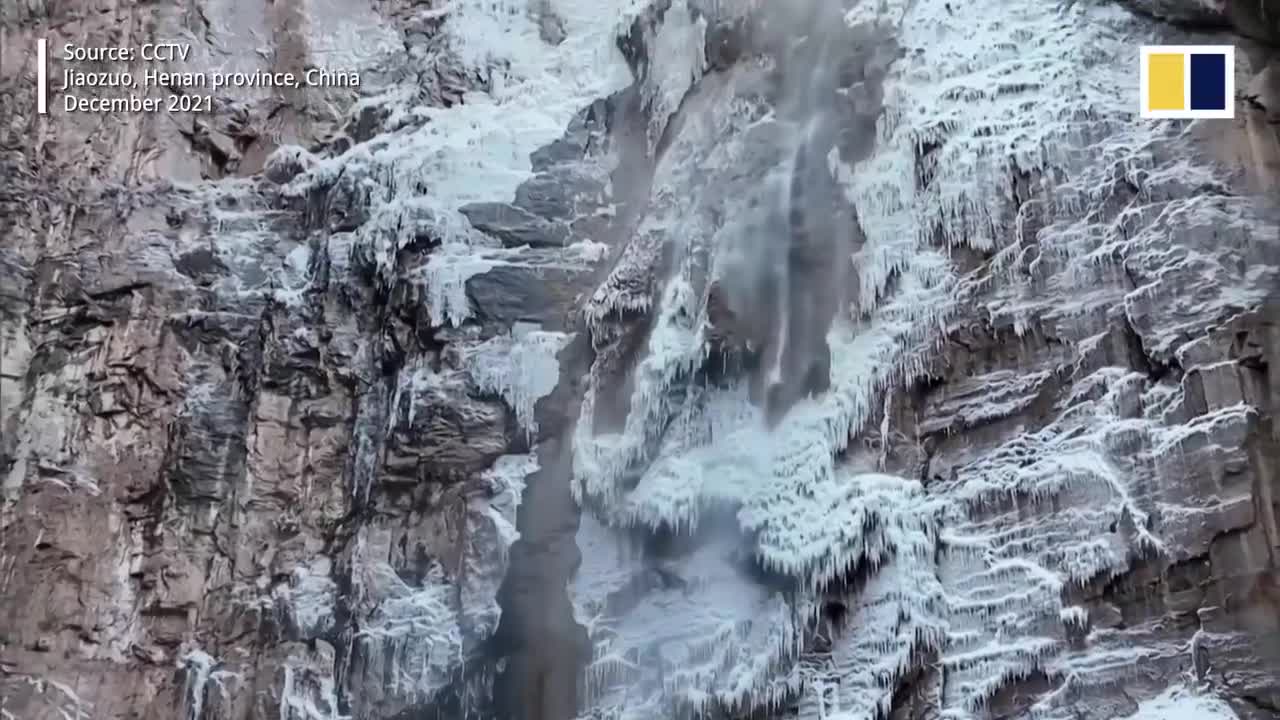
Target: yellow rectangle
[{"x": 1165, "y": 88}]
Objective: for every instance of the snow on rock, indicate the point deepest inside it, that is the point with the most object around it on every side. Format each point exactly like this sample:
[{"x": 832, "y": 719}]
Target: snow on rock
[
  {"x": 894, "y": 620},
  {"x": 521, "y": 367},
  {"x": 1182, "y": 703},
  {"x": 204, "y": 673},
  {"x": 422, "y": 619},
  {"x": 490, "y": 533},
  {"x": 411, "y": 637},
  {"x": 412, "y": 179},
  {"x": 448, "y": 270},
  {"x": 846, "y": 522},
  {"x": 63, "y": 698},
  {"x": 310, "y": 598},
  {"x": 307, "y": 688},
  {"x": 675, "y": 58},
  {"x": 1004, "y": 570},
  {"x": 286, "y": 162}
]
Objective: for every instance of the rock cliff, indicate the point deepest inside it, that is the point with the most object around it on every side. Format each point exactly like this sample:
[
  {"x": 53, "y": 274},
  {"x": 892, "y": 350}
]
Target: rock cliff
[{"x": 642, "y": 358}]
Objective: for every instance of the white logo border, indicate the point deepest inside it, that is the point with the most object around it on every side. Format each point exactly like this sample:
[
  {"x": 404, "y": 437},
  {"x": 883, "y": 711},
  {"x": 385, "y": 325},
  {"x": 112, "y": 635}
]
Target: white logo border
[{"x": 1185, "y": 50}]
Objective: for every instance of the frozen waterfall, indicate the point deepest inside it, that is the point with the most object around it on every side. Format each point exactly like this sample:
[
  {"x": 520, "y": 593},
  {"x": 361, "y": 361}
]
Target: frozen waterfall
[
  {"x": 779, "y": 511},
  {"x": 642, "y": 360},
  {"x": 794, "y": 569}
]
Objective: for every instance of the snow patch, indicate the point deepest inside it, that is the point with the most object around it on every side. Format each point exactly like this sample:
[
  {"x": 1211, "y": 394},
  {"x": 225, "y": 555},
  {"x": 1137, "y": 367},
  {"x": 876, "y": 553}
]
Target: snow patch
[{"x": 1181, "y": 703}]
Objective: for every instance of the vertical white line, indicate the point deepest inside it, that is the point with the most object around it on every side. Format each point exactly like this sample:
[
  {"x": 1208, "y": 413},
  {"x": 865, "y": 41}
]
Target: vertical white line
[
  {"x": 1231, "y": 81},
  {"x": 1144, "y": 83},
  {"x": 1186, "y": 83},
  {"x": 42, "y": 76}
]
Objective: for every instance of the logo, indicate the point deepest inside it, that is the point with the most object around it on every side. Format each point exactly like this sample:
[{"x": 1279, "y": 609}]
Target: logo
[{"x": 1188, "y": 82}]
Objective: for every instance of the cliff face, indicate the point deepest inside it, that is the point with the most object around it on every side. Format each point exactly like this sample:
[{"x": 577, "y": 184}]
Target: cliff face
[
  {"x": 642, "y": 359},
  {"x": 243, "y": 474}
]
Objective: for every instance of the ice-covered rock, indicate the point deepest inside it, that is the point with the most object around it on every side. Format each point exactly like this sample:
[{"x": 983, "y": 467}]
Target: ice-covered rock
[{"x": 642, "y": 358}]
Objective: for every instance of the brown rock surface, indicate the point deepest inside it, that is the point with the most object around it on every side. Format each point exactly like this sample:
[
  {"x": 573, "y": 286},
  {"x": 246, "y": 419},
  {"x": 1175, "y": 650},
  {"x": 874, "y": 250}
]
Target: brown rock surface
[{"x": 214, "y": 491}]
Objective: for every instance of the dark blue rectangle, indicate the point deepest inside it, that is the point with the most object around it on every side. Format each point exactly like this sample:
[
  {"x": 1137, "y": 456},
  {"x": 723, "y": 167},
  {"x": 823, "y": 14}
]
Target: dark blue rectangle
[{"x": 1208, "y": 82}]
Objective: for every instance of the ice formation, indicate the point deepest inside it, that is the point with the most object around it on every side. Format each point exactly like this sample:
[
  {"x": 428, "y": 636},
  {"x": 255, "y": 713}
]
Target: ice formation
[
  {"x": 994, "y": 136},
  {"x": 201, "y": 669},
  {"x": 411, "y": 638},
  {"x": 674, "y": 60},
  {"x": 1181, "y": 703},
  {"x": 521, "y": 367},
  {"x": 491, "y": 531},
  {"x": 428, "y": 162},
  {"x": 308, "y": 691},
  {"x": 310, "y": 598}
]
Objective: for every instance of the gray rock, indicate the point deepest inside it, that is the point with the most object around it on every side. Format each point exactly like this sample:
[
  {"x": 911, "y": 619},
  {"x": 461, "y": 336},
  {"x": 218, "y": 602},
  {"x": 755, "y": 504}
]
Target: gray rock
[
  {"x": 526, "y": 293},
  {"x": 286, "y": 163},
  {"x": 1257, "y": 19},
  {"x": 551, "y": 28},
  {"x": 514, "y": 226},
  {"x": 572, "y": 147},
  {"x": 441, "y": 432},
  {"x": 208, "y": 453},
  {"x": 726, "y": 43},
  {"x": 347, "y": 203},
  {"x": 561, "y": 194}
]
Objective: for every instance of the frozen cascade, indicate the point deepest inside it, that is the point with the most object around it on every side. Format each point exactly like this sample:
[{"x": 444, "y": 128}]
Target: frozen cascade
[
  {"x": 308, "y": 691},
  {"x": 428, "y": 162},
  {"x": 805, "y": 359},
  {"x": 993, "y": 139},
  {"x": 522, "y": 368},
  {"x": 491, "y": 531},
  {"x": 722, "y": 636},
  {"x": 676, "y": 60},
  {"x": 715, "y": 448}
]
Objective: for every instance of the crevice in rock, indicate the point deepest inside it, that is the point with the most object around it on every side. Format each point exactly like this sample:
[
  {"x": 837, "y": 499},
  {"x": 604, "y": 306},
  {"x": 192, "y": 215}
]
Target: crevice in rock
[{"x": 539, "y": 646}]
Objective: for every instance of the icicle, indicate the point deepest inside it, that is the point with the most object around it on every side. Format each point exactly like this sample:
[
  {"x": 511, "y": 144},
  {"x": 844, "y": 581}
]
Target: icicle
[
  {"x": 885, "y": 442},
  {"x": 522, "y": 369}
]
